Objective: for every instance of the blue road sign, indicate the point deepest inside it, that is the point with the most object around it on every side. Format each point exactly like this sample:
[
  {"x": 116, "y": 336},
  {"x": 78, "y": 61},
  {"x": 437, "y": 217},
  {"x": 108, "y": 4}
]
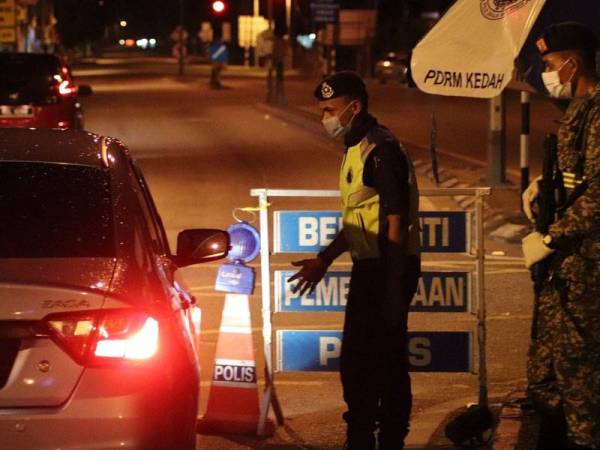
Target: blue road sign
[
  {"x": 319, "y": 351},
  {"x": 325, "y": 11},
  {"x": 218, "y": 52},
  {"x": 311, "y": 231},
  {"x": 436, "y": 292}
]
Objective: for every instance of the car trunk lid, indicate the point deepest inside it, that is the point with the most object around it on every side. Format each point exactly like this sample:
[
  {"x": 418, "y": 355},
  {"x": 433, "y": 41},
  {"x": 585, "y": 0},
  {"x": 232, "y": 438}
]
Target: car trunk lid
[{"x": 35, "y": 370}]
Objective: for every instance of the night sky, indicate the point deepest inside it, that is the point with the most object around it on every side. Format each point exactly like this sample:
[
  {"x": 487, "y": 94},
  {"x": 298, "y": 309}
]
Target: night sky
[{"x": 83, "y": 19}]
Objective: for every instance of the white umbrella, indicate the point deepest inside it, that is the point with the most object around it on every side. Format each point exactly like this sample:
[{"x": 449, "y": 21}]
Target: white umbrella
[{"x": 471, "y": 51}]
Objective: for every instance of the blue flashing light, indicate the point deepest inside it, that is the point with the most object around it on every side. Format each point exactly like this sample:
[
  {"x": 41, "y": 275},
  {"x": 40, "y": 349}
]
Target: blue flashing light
[{"x": 245, "y": 242}]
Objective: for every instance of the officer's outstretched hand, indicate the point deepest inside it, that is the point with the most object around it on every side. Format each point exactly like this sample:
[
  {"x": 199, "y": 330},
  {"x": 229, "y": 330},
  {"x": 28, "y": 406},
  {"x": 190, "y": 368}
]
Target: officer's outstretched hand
[{"x": 312, "y": 271}]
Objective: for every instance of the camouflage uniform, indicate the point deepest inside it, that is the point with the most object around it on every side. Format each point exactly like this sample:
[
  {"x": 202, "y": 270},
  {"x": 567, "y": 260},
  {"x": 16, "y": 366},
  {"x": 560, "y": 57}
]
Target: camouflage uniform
[{"x": 564, "y": 358}]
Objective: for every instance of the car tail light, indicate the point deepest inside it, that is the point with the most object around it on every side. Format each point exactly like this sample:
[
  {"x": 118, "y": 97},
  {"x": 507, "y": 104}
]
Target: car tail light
[
  {"x": 101, "y": 337},
  {"x": 66, "y": 88}
]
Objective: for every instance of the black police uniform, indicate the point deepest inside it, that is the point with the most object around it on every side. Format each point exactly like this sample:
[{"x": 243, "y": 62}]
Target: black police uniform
[{"x": 374, "y": 359}]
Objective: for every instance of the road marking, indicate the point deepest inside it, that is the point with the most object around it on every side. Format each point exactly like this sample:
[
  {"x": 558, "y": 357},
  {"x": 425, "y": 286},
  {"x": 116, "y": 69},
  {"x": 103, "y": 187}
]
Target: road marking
[
  {"x": 335, "y": 326},
  {"x": 510, "y": 317},
  {"x": 430, "y": 262},
  {"x": 467, "y": 318},
  {"x": 206, "y": 384},
  {"x": 461, "y": 157}
]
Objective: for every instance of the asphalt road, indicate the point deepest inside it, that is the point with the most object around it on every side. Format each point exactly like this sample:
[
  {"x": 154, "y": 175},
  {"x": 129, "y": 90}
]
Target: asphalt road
[{"x": 202, "y": 151}]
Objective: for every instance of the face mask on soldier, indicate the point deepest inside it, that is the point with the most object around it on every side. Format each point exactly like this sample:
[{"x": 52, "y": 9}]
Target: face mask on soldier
[
  {"x": 555, "y": 88},
  {"x": 334, "y": 126}
]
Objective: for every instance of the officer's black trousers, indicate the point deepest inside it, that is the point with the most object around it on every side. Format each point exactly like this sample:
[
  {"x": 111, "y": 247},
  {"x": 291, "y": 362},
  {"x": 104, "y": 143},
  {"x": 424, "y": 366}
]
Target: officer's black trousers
[{"x": 374, "y": 359}]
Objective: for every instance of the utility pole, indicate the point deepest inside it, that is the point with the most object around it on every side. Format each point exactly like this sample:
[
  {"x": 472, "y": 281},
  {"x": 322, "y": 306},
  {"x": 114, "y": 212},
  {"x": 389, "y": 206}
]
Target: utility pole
[
  {"x": 496, "y": 155},
  {"x": 256, "y": 13},
  {"x": 524, "y": 144},
  {"x": 181, "y": 58},
  {"x": 270, "y": 58}
]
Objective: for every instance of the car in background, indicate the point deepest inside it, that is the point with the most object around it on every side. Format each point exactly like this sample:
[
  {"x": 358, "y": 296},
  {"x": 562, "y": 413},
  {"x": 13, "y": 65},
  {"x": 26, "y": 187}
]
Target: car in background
[
  {"x": 38, "y": 91},
  {"x": 394, "y": 67},
  {"x": 97, "y": 328}
]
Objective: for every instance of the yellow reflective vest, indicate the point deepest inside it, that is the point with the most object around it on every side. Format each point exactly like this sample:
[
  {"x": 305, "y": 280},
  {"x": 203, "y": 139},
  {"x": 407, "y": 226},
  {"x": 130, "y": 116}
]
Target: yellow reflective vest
[{"x": 360, "y": 206}]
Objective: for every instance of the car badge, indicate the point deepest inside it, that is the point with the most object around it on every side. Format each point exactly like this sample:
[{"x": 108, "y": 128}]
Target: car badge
[
  {"x": 326, "y": 90},
  {"x": 44, "y": 366}
]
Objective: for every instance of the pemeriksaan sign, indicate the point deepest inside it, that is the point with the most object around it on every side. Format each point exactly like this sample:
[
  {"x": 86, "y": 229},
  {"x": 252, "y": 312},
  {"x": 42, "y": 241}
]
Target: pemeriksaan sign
[{"x": 471, "y": 51}]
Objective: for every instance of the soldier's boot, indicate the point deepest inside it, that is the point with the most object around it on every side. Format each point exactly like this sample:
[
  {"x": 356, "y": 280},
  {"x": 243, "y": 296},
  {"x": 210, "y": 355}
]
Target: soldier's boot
[{"x": 553, "y": 432}]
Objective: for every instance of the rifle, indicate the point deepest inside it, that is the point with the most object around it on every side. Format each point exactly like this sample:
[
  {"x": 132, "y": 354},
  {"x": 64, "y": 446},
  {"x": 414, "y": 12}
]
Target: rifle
[{"x": 551, "y": 198}]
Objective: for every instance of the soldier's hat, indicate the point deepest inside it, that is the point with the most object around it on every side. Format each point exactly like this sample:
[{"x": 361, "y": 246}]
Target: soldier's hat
[
  {"x": 344, "y": 83},
  {"x": 567, "y": 36}
]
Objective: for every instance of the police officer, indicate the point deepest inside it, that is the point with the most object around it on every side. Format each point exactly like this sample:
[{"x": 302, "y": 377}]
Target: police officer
[
  {"x": 381, "y": 230},
  {"x": 564, "y": 357}
]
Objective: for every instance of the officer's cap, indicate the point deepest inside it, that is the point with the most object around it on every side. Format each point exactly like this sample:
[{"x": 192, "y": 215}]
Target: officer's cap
[
  {"x": 344, "y": 83},
  {"x": 567, "y": 36}
]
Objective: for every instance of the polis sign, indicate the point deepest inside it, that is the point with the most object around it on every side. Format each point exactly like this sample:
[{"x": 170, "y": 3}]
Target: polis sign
[{"x": 320, "y": 350}]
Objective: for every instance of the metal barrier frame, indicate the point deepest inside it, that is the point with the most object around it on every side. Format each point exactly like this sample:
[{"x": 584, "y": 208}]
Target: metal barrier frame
[{"x": 263, "y": 194}]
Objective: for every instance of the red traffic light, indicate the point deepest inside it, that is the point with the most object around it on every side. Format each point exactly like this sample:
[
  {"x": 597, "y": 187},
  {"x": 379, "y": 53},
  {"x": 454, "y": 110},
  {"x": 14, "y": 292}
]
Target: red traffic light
[{"x": 218, "y": 6}]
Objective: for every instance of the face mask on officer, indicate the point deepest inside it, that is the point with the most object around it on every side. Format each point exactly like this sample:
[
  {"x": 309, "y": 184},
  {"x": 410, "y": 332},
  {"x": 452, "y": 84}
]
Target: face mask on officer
[
  {"x": 552, "y": 83},
  {"x": 333, "y": 124}
]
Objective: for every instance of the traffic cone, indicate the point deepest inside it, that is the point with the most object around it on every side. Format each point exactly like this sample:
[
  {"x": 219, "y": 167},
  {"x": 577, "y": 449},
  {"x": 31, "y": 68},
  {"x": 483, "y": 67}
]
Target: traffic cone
[{"x": 233, "y": 397}]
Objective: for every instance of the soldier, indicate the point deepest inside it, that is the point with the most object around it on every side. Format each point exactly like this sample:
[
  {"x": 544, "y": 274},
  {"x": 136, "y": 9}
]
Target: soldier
[
  {"x": 380, "y": 200},
  {"x": 564, "y": 357}
]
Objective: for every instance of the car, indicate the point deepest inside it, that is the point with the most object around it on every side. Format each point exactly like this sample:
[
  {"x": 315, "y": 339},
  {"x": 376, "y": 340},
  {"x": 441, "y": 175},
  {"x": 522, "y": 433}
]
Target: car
[
  {"x": 38, "y": 91},
  {"x": 97, "y": 327},
  {"x": 394, "y": 66}
]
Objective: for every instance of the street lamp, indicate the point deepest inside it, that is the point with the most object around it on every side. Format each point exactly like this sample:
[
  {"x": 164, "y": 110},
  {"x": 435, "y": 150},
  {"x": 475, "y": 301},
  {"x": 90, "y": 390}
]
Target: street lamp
[{"x": 123, "y": 23}]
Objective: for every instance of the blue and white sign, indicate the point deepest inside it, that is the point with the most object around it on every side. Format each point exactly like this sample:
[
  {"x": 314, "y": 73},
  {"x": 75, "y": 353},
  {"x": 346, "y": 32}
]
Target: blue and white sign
[
  {"x": 436, "y": 292},
  {"x": 218, "y": 52},
  {"x": 305, "y": 231},
  {"x": 330, "y": 294},
  {"x": 444, "y": 231},
  {"x": 448, "y": 292},
  {"x": 320, "y": 350},
  {"x": 311, "y": 231}
]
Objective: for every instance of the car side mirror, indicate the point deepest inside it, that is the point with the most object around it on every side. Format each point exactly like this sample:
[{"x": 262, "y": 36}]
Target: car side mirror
[
  {"x": 85, "y": 90},
  {"x": 201, "y": 245}
]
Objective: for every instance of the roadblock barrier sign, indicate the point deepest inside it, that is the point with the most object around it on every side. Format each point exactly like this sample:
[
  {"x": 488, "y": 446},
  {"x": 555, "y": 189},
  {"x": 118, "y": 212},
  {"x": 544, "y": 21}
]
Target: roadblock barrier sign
[
  {"x": 319, "y": 351},
  {"x": 436, "y": 292},
  {"x": 312, "y": 231}
]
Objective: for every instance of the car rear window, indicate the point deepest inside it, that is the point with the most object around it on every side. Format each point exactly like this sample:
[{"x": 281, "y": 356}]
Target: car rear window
[
  {"x": 55, "y": 210},
  {"x": 27, "y": 79}
]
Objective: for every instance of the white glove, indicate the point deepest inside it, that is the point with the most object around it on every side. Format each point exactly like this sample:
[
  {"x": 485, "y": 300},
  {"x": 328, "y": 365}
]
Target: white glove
[
  {"x": 529, "y": 196},
  {"x": 534, "y": 249}
]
